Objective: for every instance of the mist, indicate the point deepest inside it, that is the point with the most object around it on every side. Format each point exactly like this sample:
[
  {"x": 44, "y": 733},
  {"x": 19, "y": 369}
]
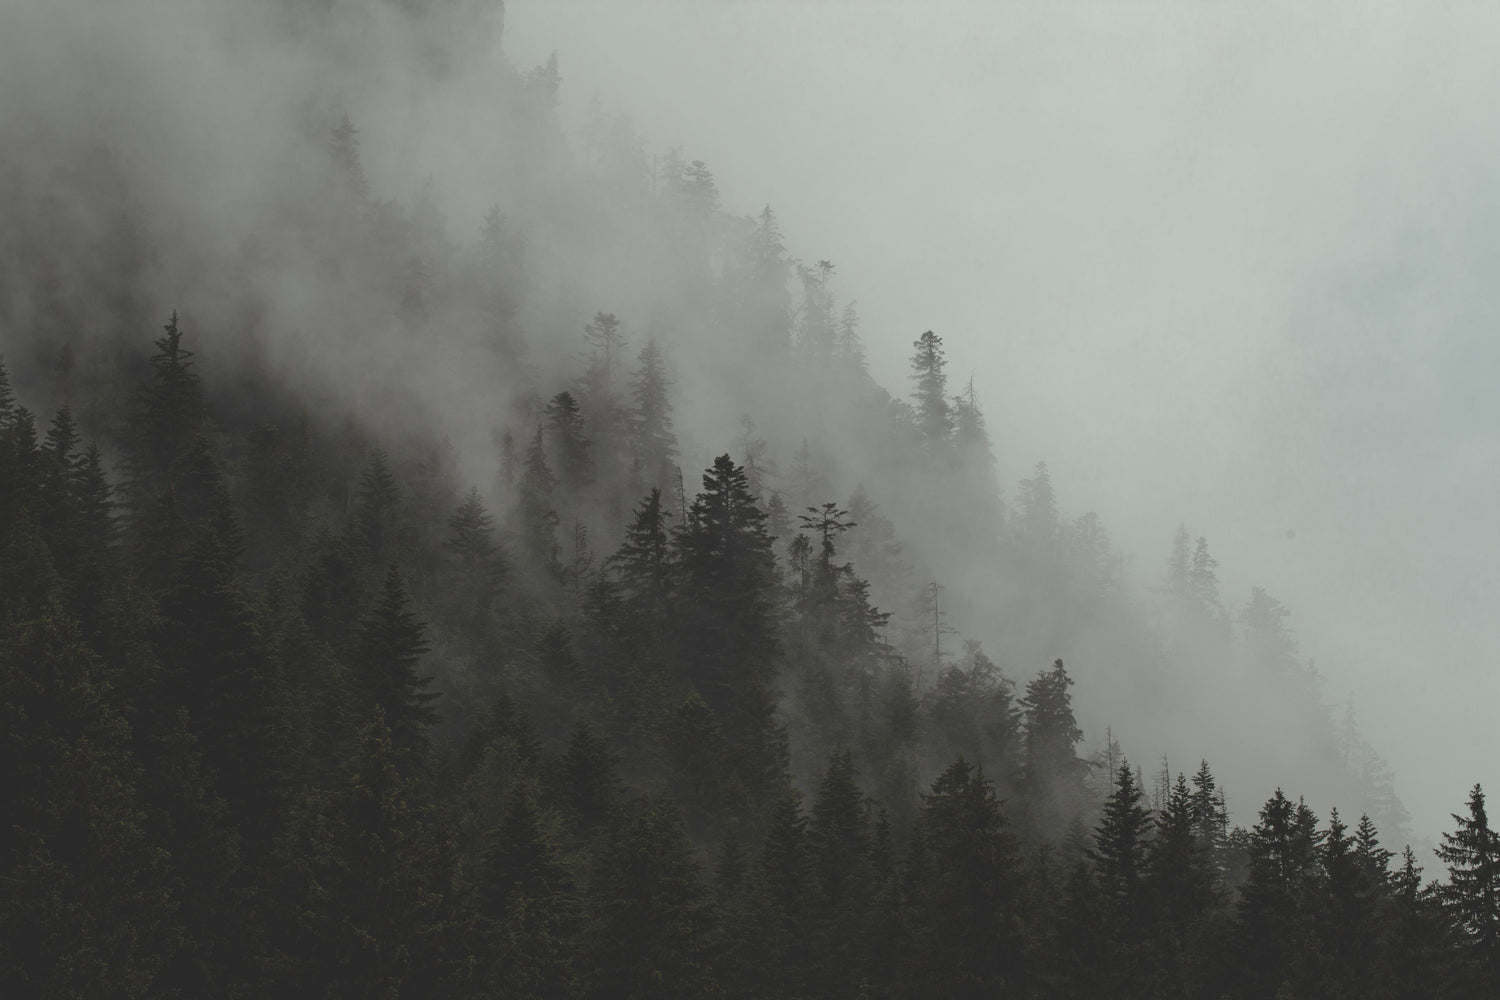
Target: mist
[{"x": 1223, "y": 269}]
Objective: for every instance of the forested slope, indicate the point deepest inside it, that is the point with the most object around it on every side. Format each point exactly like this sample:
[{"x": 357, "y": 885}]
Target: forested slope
[{"x": 548, "y": 602}]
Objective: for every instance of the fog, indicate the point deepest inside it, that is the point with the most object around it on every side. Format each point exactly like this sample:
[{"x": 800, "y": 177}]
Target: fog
[
  {"x": 1220, "y": 268},
  {"x": 1226, "y": 265}
]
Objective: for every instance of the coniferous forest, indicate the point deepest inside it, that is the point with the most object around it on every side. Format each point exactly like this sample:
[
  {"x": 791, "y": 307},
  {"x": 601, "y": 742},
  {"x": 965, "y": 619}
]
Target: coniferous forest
[{"x": 548, "y": 602}]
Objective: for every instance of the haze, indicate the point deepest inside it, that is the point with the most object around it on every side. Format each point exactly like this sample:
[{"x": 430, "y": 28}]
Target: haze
[{"x": 1220, "y": 265}]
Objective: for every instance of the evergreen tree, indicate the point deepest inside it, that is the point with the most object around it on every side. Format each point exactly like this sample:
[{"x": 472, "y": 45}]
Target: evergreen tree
[
  {"x": 1120, "y": 844},
  {"x": 1052, "y": 772},
  {"x": 87, "y": 900},
  {"x": 1472, "y": 896},
  {"x": 388, "y": 649},
  {"x": 965, "y": 884},
  {"x": 536, "y": 517},
  {"x": 1274, "y": 903},
  {"x": 729, "y": 576},
  {"x": 651, "y": 421},
  {"x": 841, "y": 845},
  {"x": 934, "y": 415},
  {"x": 652, "y": 925},
  {"x": 478, "y": 566},
  {"x": 569, "y": 446}
]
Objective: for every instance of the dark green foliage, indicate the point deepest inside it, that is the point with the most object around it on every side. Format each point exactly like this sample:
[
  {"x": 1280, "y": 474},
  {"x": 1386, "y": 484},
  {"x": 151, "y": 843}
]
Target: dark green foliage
[
  {"x": 1472, "y": 854},
  {"x": 1052, "y": 772},
  {"x": 86, "y": 900},
  {"x": 652, "y": 925},
  {"x": 388, "y": 649},
  {"x": 965, "y": 883}
]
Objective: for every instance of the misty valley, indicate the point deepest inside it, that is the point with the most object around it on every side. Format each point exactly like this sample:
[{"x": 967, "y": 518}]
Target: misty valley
[{"x": 444, "y": 553}]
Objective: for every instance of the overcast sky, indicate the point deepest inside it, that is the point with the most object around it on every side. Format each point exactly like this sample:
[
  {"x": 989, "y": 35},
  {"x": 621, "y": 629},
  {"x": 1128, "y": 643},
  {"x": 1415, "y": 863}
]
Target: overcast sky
[{"x": 1227, "y": 264}]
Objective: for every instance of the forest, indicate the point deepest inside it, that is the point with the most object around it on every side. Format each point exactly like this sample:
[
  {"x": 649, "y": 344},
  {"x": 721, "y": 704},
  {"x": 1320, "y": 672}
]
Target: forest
[{"x": 548, "y": 602}]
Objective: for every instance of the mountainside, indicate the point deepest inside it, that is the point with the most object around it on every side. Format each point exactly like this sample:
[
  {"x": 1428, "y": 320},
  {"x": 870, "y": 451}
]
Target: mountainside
[{"x": 500, "y": 536}]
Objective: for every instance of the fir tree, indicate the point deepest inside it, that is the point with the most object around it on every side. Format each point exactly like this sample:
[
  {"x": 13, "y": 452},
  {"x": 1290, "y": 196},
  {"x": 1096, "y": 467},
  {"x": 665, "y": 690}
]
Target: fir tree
[
  {"x": 388, "y": 649},
  {"x": 934, "y": 414},
  {"x": 1472, "y": 854}
]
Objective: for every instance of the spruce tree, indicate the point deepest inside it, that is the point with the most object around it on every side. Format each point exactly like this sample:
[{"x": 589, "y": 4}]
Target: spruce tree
[
  {"x": 388, "y": 649},
  {"x": 1472, "y": 896},
  {"x": 934, "y": 414}
]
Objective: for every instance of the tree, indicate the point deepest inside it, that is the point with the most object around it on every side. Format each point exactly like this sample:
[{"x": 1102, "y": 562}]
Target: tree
[
  {"x": 651, "y": 423},
  {"x": 479, "y": 567},
  {"x": 1052, "y": 773},
  {"x": 652, "y": 921},
  {"x": 169, "y": 412},
  {"x": 87, "y": 900},
  {"x": 730, "y": 631},
  {"x": 1120, "y": 845},
  {"x": 1472, "y": 896},
  {"x": 343, "y": 149},
  {"x": 569, "y": 446},
  {"x": 1179, "y": 874},
  {"x": 536, "y": 517},
  {"x": 645, "y": 561},
  {"x": 608, "y": 344},
  {"x": 965, "y": 888},
  {"x": 1274, "y": 904},
  {"x": 388, "y": 648},
  {"x": 840, "y": 845},
  {"x": 934, "y": 415}
]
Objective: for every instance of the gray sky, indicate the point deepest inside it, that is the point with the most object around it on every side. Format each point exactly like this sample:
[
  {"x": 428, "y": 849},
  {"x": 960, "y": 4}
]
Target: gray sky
[{"x": 1231, "y": 265}]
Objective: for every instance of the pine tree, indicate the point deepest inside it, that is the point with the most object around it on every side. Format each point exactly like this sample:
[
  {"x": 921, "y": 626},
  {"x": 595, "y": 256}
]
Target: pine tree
[
  {"x": 388, "y": 649},
  {"x": 536, "y": 517},
  {"x": 645, "y": 561},
  {"x": 169, "y": 413},
  {"x": 528, "y": 900},
  {"x": 1052, "y": 773},
  {"x": 651, "y": 422},
  {"x": 966, "y": 887},
  {"x": 87, "y": 901},
  {"x": 478, "y": 566},
  {"x": 1119, "y": 851},
  {"x": 1472, "y": 896},
  {"x": 730, "y": 634},
  {"x": 1274, "y": 903},
  {"x": 934, "y": 415},
  {"x": 652, "y": 924},
  {"x": 841, "y": 844},
  {"x": 569, "y": 445}
]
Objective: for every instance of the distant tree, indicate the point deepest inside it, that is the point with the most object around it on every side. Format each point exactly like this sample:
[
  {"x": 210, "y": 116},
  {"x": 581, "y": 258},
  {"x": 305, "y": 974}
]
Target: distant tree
[
  {"x": 928, "y": 364},
  {"x": 655, "y": 443},
  {"x": 536, "y": 517},
  {"x": 1036, "y": 519},
  {"x": 168, "y": 414},
  {"x": 1267, "y": 640},
  {"x": 478, "y": 565},
  {"x": 645, "y": 563},
  {"x": 343, "y": 150},
  {"x": 569, "y": 445},
  {"x": 1052, "y": 772}
]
